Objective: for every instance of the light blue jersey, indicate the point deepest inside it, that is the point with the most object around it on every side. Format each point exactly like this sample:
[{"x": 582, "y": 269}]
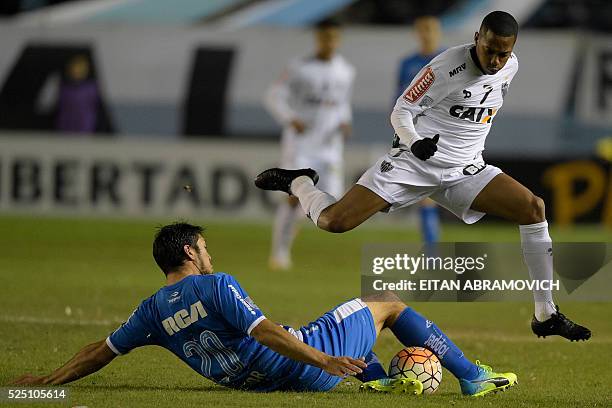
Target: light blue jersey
[{"x": 206, "y": 321}]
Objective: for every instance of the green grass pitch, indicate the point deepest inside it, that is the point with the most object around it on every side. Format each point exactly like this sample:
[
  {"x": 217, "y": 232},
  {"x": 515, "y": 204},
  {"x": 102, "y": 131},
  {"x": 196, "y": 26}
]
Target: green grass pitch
[{"x": 65, "y": 283}]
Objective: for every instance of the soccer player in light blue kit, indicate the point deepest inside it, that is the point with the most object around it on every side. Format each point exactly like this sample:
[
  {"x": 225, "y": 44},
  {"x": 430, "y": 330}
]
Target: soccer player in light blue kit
[
  {"x": 207, "y": 320},
  {"x": 428, "y": 32}
]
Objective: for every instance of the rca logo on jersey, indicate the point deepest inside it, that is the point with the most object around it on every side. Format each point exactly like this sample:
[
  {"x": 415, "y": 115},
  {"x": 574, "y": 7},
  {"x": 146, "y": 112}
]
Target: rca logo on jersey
[
  {"x": 183, "y": 318},
  {"x": 421, "y": 86},
  {"x": 456, "y": 70},
  {"x": 473, "y": 114}
]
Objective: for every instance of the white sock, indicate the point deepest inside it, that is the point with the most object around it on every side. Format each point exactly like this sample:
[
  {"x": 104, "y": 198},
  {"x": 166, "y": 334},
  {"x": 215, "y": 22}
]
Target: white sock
[
  {"x": 284, "y": 232},
  {"x": 312, "y": 200},
  {"x": 537, "y": 252}
]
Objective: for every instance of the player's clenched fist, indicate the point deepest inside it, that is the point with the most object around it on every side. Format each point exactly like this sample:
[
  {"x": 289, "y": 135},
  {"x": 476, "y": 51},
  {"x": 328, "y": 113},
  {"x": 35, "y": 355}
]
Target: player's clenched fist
[
  {"x": 425, "y": 148},
  {"x": 344, "y": 366}
]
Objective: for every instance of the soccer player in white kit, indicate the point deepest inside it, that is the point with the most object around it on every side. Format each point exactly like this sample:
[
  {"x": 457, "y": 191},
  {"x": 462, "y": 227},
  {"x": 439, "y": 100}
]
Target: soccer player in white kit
[
  {"x": 312, "y": 102},
  {"x": 441, "y": 122}
]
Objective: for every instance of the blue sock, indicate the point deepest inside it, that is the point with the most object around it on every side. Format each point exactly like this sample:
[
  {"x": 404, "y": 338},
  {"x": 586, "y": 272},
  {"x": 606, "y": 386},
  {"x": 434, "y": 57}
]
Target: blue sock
[
  {"x": 413, "y": 330},
  {"x": 374, "y": 371},
  {"x": 430, "y": 224}
]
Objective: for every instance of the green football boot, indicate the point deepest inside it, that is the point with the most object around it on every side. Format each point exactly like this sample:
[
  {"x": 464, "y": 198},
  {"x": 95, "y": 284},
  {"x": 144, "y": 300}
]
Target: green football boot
[
  {"x": 394, "y": 386},
  {"x": 487, "y": 381}
]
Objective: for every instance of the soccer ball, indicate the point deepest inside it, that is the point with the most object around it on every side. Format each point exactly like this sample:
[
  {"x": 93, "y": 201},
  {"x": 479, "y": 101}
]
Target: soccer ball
[{"x": 419, "y": 363}]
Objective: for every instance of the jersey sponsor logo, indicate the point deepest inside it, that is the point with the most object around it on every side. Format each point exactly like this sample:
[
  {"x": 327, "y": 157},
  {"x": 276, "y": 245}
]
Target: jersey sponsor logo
[
  {"x": 385, "y": 166},
  {"x": 184, "y": 318},
  {"x": 421, "y": 86},
  {"x": 456, "y": 70},
  {"x": 473, "y": 114},
  {"x": 473, "y": 169}
]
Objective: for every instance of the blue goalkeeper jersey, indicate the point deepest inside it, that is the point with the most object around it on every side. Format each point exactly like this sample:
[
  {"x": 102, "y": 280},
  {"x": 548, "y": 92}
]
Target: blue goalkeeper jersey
[{"x": 206, "y": 321}]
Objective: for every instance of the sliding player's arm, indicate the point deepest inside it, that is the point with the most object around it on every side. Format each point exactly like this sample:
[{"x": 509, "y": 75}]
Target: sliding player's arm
[
  {"x": 240, "y": 312},
  {"x": 278, "y": 339},
  {"x": 88, "y": 360},
  {"x": 91, "y": 358}
]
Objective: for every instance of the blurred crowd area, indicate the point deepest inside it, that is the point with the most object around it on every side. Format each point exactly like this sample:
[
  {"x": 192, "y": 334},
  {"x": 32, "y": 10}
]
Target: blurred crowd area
[{"x": 585, "y": 14}]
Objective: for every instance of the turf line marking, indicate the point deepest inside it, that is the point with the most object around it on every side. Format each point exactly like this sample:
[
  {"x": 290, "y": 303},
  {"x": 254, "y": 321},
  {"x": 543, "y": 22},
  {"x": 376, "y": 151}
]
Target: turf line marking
[
  {"x": 49, "y": 320},
  {"x": 493, "y": 336}
]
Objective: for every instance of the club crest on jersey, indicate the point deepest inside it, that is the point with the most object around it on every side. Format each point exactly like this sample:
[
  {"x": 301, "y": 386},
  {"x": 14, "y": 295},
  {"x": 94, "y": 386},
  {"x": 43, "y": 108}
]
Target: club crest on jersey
[
  {"x": 473, "y": 114},
  {"x": 422, "y": 84},
  {"x": 385, "y": 166}
]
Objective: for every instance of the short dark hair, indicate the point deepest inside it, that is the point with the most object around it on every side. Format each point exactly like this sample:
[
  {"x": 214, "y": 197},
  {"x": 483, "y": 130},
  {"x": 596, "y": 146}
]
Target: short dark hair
[
  {"x": 328, "y": 23},
  {"x": 169, "y": 242},
  {"x": 500, "y": 23}
]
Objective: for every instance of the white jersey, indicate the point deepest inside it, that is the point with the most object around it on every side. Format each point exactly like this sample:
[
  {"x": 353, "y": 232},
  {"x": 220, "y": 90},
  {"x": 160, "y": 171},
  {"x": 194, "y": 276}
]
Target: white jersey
[
  {"x": 317, "y": 93},
  {"x": 452, "y": 97}
]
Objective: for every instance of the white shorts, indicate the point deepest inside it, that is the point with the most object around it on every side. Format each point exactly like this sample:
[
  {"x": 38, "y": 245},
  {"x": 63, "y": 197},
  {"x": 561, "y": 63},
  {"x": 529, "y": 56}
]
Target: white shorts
[
  {"x": 405, "y": 180},
  {"x": 331, "y": 174}
]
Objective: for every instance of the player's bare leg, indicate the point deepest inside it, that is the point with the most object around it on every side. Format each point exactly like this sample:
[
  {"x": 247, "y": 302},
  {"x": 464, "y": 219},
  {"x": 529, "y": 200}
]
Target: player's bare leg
[
  {"x": 507, "y": 198},
  {"x": 356, "y": 206}
]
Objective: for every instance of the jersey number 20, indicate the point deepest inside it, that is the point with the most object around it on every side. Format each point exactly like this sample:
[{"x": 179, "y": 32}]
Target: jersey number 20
[{"x": 210, "y": 346}]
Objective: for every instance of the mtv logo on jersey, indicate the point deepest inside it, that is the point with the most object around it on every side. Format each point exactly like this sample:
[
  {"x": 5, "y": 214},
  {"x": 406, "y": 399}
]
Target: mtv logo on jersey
[{"x": 421, "y": 86}]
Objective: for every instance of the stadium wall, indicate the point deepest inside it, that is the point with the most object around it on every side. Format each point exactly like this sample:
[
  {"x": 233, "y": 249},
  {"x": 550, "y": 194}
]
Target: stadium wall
[{"x": 77, "y": 176}]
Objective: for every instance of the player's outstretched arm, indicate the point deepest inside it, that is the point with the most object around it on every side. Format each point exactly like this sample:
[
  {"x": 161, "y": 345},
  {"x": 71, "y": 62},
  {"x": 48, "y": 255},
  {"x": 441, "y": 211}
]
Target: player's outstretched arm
[
  {"x": 88, "y": 360},
  {"x": 279, "y": 340}
]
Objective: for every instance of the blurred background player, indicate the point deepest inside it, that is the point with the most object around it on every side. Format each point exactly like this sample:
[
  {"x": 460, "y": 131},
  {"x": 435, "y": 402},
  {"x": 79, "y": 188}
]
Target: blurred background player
[
  {"x": 428, "y": 32},
  {"x": 311, "y": 101}
]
